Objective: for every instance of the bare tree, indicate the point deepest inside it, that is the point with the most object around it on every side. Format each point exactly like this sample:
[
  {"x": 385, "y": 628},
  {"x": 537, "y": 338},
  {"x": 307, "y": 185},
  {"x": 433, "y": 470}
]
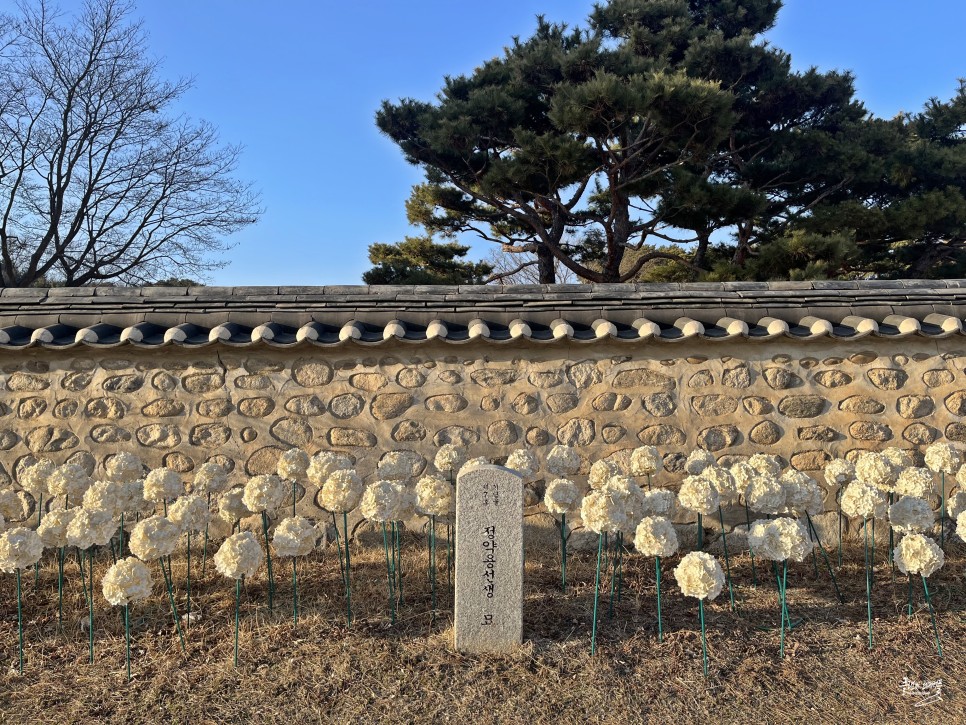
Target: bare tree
[
  {"x": 512, "y": 267},
  {"x": 99, "y": 180}
]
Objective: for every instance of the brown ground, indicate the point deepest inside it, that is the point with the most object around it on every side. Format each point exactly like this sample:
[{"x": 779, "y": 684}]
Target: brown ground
[{"x": 322, "y": 671}]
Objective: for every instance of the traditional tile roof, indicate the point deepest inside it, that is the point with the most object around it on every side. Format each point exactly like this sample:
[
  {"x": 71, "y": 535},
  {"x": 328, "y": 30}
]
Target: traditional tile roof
[{"x": 333, "y": 315}]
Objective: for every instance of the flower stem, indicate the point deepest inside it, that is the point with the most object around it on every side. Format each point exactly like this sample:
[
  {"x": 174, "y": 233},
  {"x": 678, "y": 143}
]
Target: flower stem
[
  {"x": 784, "y": 608},
  {"x": 397, "y": 562},
  {"x": 563, "y": 553},
  {"x": 839, "y": 500},
  {"x": 174, "y": 607},
  {"x": 294, "y": 493},
  {"x": 40, "y": 509},
  {"x": 120, "y": 538},
  {"x": 942, "y": 517},
  {"x": 237, "y": 599},
  {"x": 868, "y": 582},
  {"x": 754, "y": 573},
  {"x": 660, "y": 626},
  {"x": 432, "y": 563},
  {"x": 828, "y": 565},
  {"x": 593, "y": 632},
  {"x": 295, "y": 593},
  {"x": 704, "y": 640},
  {"x": 348, "y": 568},
  {"x": 60, "y": 589},
  {"x": 188, "y": 586},
  {"x": 932, "y": 614},
  {"x": 90, "y": 603},
  {"x": 338, "y": 546},
  {"x": 909, "y": 605},
  {"x": 204, "y": 549},
  {"x": 127, "y": 640},
  {"x": 268, "y": 559},
  {"x": 389, "y": 574},
  {"x": 724, "y": 541}
]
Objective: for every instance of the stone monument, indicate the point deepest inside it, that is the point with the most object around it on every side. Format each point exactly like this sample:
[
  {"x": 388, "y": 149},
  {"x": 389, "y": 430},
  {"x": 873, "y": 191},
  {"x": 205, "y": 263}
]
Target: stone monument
[{"x": 489, "y": 560}]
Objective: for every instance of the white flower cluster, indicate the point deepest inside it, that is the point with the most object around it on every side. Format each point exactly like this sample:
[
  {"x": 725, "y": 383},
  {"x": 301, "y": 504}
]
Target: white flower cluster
[
  {"x": 472, "y": 464},
  {"x": 863, "y": 501},
  {"x": 601, "y": 472},
  {"x": 231, "y": 505},
  {"x": 766, "y": 464},
  {"x": 743, "y": 473},
  {"x": 395, "y": 466},
  {"x": 874, "y": 469},
  {"x": 264, "y": 493},
  {"x": 803, "y": 495},
  {"x": 34, "y": 479},
  {"x": 563, "y": 461},
  {"x": 956, "y": 504},
  {"x": 562, "y": 497},
  {"x": 698, "y": 461},
  {"x": 765, "y": 493},
  {"x": 917, "y": 482},
  {"x": 153, "y": 538},
  {"x": 605, "y": 510},
  {"x": 69, "y": 480},
  {"x": 942, "y": 457},
  {"x": 104, "y": 497},
  {"x": 324, "y": 463},
  {"x": 341, "y": 491},
  {"x": 20, "y": 548},
  {"x": 897, "y": 457},
  {"x": 240, "y": 555},
  {"x": 294, "y": 536},
  {"x": 779, "y": 539},
  {"x": 124, "y": 467},
  {"x": 293, "y": 464},
  {"x": 434, "y": 496},
  {"x": 646, "y": 460},
  {"x": 449, "y": 458},
  {"x": 723, "y": 482},
  {"x": 658, "y": 502},
  {"x": 839, "y": 471},
  {"x": 699, "y": 575},
  {"x": 385, "y": 501},
  {"x": 698, "y": 495},
  {"x": 162, "y": 484},
  {"x": 91, "y": 527},
  {"x": 961, "y": 525},
  {"x": 655, "y": 536},
  {"x": 190, "y": 513},
  {"x": 131, "y": 499},
  {"x": 911, "y": 515},
  {"x": 126, "y": 581},
  {"x": 523, "y": 462},
  {"x": 918, "y": 554},
  {"x": 210, "y": 479},
  {"x": 53, "y": 528}
]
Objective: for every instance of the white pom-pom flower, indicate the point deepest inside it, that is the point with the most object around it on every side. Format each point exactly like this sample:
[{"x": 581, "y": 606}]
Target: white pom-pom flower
[
  {"x": 34, "y": 479},
  {"x": 105, "y": 496},
  {"x": 294, "y": 536},
  {"x": 655, "y": 536},
  {"x": 743, "y": 473},
  {"x": 190, "y": 513},
  {"x": 162, "y": 484},
  {"x": 342, "y": 491},
  {"x": 240, "y": 555},
  {"x": 942, "y": 458},
  {"x": 766, "y": 494},
  {"x": 395, "y": 466},
  {"x": 839, "y": 471},
  {"x": 918, "y": 554},
  {"x": 961, "y": 525},
  {"x": 449, "y": 458},
  {"x": 562, "y": 497},
  {"x": 20, "y": 548},
  {"x": 658, "y": 502},
  {"x": 876, "y": 470},
  {"x": 861, "y": 500},
  {"x": 231, "y": 506},
  {"x": 563, "y": 461},
  {"x": 911, "y": 515},
  {"x": 897, "y": 457},
  {"x": 601, "y": 472},
  {"x": 434, "y": 496},
  {"x": 324, "y": 463},
  {"x": 384, "y": 501},
  {"x": 264, "y": 493},
  {"x": 766, "y": 464},
  {"x": 293, "y": 464},
  {"x": 779, "y": 539},
  {"x": 523, "y": 462},
  {"x": 131, "y": 498},
  {"x": 605, "y": 511},
  {"x": 956, "y": 504},
  {"x": 723, "y": 482},
  {"x": 646, "y": 461},
  {"x": 916, "y": 482},
  {"x": 803, "y": 495},
  {"x": 698, "y": 495},
  {"x": 53, "y": 529},
  {"x": 69, "y": 480},
  {"x": 153, "y": 538},
  {"x": 698, "y": 461},
  {"x": 210, "y": 478},
  {"x": 91, "y": 527},
  {"x": 123, "y": 467},
  {"x": 126, "y": 581},
  {"x": 699, "y": 575}
]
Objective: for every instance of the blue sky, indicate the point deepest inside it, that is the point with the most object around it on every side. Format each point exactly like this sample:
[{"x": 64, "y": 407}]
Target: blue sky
[{"x": 298, "y": 83}]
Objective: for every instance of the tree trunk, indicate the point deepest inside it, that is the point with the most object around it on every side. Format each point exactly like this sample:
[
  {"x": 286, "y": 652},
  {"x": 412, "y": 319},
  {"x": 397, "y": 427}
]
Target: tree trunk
[
  {"x": 545, "y": 265},
  {"x": 701, "y": 253}
]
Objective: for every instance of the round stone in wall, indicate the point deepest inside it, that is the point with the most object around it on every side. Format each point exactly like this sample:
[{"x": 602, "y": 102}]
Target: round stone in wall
[
  {"x": 861, "y": 404},
  {"x": 390, "y": 405},
  {"x": 611, "y": 402},
  {"x": 369, "y": 382},
  {"x": 738, "y": 377},
  {"x": 85, "y": 460},
  {"x": 832, "y": 378},
  {"x": 203, "y": 382},
  {"x": 347, "y": 405},
  {"x": 714, "y": 405},
  {"x": 263, "y": 461},
  {"x": 214, "y": 407},
  {"x": 293, "y": 431},
  {"x": 456, "y": 435},
  {"x": 920, "y": 434},
  {"x": 612, "y": 433},
  {"x": 307, "y": 405},
  {"x": 937, "y": 378},
  {"x": 31, "y": 408},
  {"x": 562, "y": 402},
  {"x": 410, "y": 378},
  {"x": 157, "y": 435},
  {"x": 765, "y": 433},
  {"x": 818, "y": 433},
  {"x": 956, "y": 403},
  {"x": 450, "y": 377},
  {"x": 75, "y": 382},
  {"x": 164, "y": 382},
  {"x": 915, "y": 406},
  {"x": 8, "y": 439},
  {"x": 27, "y": 383},
  {"x": 178, "y": 462},
  {"x": 577, "y": 432},
  {"x": 864, "y": 430},
  {"x": 493, "y": 377},
  {"x": 66, "y": 408},
  {"x": 545, "y": 378},
  {"x": 50, "y": 439},
  {"x": 810, "y": 460},
  {"x": 719, "y": 436},
  {"x": 258, "y": 407},
  {"x": 659, "y": 405},
  {"x": 311, "y": 373},
  {"x": 756, "y": 405},
  {"x": 584, "y": 374},
  {"x": 956, "y": 432},
  {"x": 209, "y": 435},
  {"x": 525, "y": 404},
  {"x": 109, "y": 433},
  {"x": 163, "y": 408},
  {"x": 253, "y": 382},
  {"x": 489, "y": 403},
  {"x": 127, "y": 383},
  {"x": 502, "y": 433},
  {"x": 408, "y": 431},
  {"x": 887, "y": 379},
  {"x": 781, "y": 379},
  {"x": 802, "y": 406},
  {"x": 538, "y": 437},
  {"x": 643, "y": 378},
  {"x": 447, "y": 403},
  {"x": 701, "y": 379},
  {"x": 661, "y": 435},
  {"x": 104, "y": 408}
]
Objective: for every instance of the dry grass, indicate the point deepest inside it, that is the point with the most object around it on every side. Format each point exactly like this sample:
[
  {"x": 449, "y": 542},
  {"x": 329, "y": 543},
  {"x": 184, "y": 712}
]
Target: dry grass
[{"x": 323, "y": 671}]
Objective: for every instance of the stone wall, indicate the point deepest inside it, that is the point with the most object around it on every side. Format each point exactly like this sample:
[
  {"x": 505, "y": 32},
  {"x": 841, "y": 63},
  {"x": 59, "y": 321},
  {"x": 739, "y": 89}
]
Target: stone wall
[{"x": 805, "y": 401}]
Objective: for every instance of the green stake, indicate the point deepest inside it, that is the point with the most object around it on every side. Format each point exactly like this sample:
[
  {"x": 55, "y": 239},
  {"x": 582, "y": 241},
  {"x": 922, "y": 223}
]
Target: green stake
[
  {"x": 704, "y": 641},
  {"x": 268, "y": 559},
  {"x": 909, "y": 606},
  {"x": 389, "y": 574},
  {"x": 90, "y": 603},
  {"x": 188, "y": 587},
  {"x": 828, "y": 566},
  {"x": 174, "y": 607},
  {"x": 237, "y": 599},
  {"x": 724, "y": 541},
  {"x": 932, "y": 614},
  {"x": 754, "y": 574},
  {"x": 127, "y": 641},
  {"x": 432, "y": 562},
  {"x": 593, "y": 633},
  {"x": 784, "y": 608},
  {"x": 660, "y": 627},
  {"x": 20, "y": 620},
  {"x": 338, "y": 543},
  {"x": 348, "y": 568},
  {"x": 295, "y": 593},
  {"x": 563, "y": 553},
  {"x": 868, "y": 582},
  {"x": 942, "y": 515},
  {"x": 60, "y": 589},
  {"x": 204, "y": 550}
]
